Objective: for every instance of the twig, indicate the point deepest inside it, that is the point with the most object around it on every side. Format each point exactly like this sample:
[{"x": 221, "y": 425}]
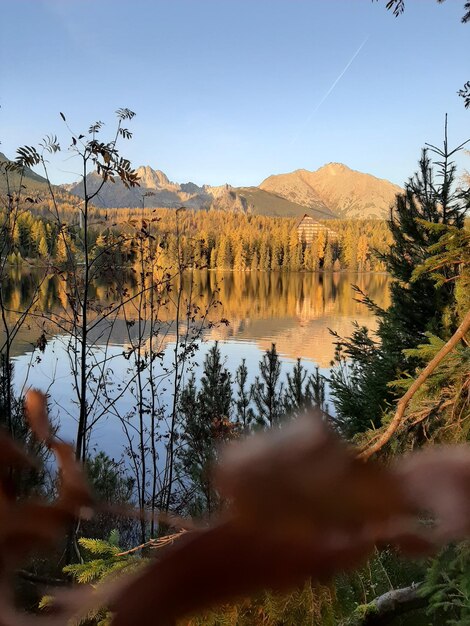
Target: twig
[
  {"x": 391, "y": 429},
  {"x": 154, "y": 543},
  {"x": 420, "y": 416}
]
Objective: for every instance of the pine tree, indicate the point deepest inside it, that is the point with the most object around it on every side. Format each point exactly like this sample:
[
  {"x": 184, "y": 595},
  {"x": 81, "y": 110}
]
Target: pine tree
[
  {"x": 320, "y": 247},
  {"x": 296, "y": 255},
  {"x": 349, "y": 249},
  {"x": 277, "y": 256},
  {"x": 303, "y": 391},
  {"x": 112, "y": 485},
  {"x": 196, "y": 454},
  {"x": 204, "y": 421},
  {"x": 311, "y": 258},
  {"x": 224, "y": 253},
  {"x": 65, "y": 247},
  {"x": 213, "y": 258},
  {"x": 215, "y": 396},
  {"x": 366, "y": 366},
  {"x": 240, "y": 260},
  {"x": 245, "y": 413},
  {"x": 362, "y": 252},
  {"x": 266, "y": 391},
  {"x": 296, "y": 396},
  {"x": 316, "y": 390},
  {"x": 264, "y": 256},
  {"x": 38, "y": 233}
]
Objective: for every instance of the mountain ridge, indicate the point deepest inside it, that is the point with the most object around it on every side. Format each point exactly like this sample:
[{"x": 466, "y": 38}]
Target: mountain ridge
[
  {"x": 30, "y": 180},
  {"x": 333, "y": 190},
  {"x": 156, "y": 190},
  {"x": 347, "y": 192}
]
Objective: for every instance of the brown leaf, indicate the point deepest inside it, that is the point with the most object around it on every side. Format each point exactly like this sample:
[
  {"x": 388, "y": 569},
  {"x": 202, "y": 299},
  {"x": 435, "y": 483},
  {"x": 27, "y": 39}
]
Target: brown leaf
[
  {"x": 225, "y": 563},
  {"x": 30, "y": 526},
  {"x": 300, "y": 505},
  {"x": 302, "y": 477},
  {"x": 436, "y": 482},
  {"x": 74, "y": 490},
  {"x": 36, "y": 412}
]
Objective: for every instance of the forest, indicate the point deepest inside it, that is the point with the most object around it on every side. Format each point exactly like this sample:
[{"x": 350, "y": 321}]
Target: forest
[
  {"x": 401, "y": 388},
  {"x": 208, "y": 239},
  {"x": 295, "y": 497}
]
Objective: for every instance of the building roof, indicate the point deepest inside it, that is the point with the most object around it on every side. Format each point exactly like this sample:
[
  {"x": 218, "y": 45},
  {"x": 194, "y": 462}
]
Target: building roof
[{"x": 316, "y": 223}]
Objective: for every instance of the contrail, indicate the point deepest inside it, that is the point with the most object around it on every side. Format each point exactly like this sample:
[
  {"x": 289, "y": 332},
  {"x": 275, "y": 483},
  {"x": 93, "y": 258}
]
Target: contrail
[{"x": 336, "y": 81}]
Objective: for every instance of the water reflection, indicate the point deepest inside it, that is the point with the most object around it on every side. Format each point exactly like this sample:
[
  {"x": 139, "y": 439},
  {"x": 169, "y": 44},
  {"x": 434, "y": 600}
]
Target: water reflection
[
  {"x": 293, "y": 310},
  {"x": 296, "y": 311}
]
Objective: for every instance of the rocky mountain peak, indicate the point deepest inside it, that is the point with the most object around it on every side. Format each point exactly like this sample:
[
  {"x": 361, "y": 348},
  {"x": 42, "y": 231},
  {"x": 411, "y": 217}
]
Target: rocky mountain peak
[
  {"x": 150, "y": 178},
  {"x": 334, "y": 168},
  {"x": 334, "y": 190},
  {"x": 346, "y": 192}
]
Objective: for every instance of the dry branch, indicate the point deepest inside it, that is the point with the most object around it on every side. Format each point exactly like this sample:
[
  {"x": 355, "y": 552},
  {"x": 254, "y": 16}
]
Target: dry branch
[
  {"x": 398, "y": 418},
  {"x": 385, "y": 608},
  {"x": 154, "y": 543}
]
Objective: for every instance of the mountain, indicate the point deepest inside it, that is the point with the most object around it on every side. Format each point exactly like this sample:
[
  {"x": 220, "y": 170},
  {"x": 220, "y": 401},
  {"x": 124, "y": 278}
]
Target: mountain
[
  {"x": 30, "y": 181},
  {"x": 345, "y": 192},
  {"x": 116, "y": 195},
  {"x": 261, "y": 202},
  {"x": 332, "y": 191},
  {"x": 156, "y": 190}
]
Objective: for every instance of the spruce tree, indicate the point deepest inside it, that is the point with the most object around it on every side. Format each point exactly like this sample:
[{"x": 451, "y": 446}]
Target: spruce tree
[
  {"x": 266, "y": 391},
  {"x": 296, "y": 396},
  {"x": 316, "y": 390},
  {"x": 245, "y": 413},
  {"x": 215, "y": 396},
  {"x": 366, "y": 365},
  {"x": 204, "y": 421},
  {"x": 303, "y": 391}
]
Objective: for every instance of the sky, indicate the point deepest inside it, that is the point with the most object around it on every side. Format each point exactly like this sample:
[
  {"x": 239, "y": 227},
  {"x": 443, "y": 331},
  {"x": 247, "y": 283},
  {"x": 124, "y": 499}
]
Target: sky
[{"x": 236, "y": 90}]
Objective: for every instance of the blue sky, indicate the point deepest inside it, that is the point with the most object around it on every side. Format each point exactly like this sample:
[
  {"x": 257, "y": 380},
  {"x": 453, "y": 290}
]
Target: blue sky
[{"x": 236, "y": 90}]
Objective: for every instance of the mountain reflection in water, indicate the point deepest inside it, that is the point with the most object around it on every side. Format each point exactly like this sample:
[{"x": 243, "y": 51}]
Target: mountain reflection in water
[{"x": 293, "y": 310}]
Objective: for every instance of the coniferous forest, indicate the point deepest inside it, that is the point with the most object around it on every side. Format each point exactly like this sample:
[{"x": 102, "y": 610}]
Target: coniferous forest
[
  {"x": 245, "y": 489},
  {"x": 208, "y": 239}
]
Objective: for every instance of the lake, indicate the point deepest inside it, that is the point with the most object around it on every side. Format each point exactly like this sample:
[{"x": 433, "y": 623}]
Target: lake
[{"x": 294, "y": 311}]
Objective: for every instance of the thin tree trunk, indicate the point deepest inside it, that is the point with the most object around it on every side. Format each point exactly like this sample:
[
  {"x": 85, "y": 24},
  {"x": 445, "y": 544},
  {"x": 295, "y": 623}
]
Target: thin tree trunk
[{"x": 80, "y": 450}]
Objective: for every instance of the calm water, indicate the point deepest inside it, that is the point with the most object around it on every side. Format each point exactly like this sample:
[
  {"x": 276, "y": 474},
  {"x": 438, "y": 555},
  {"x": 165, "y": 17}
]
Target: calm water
[{"x": 295, "y": 311}]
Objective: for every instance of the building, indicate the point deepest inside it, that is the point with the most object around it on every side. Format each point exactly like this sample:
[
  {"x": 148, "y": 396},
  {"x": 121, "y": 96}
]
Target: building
[{"x": 308, "y": 230}]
